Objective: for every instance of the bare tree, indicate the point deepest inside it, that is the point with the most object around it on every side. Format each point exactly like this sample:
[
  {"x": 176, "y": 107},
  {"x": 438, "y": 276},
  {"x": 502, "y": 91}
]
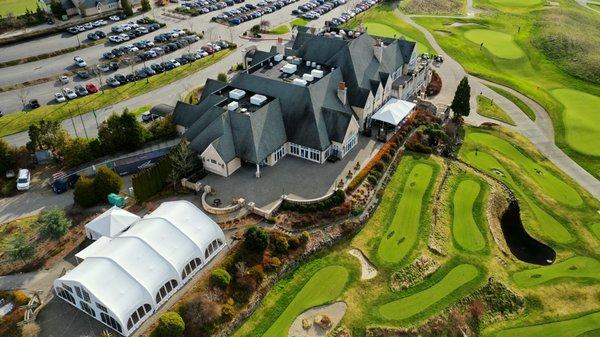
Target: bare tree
[
  {"x": 100, "y": 76},
  {"x": 264, "y": 25},
  {"x": 23, "y": 94}
]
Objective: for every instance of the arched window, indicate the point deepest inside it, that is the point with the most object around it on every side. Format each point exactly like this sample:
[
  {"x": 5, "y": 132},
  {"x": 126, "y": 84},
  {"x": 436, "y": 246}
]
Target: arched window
[
  {"x": 214, "y": 245},
  {"x": 167, "y": 288},
  {"x": 138, "y": 315},
  {"x": 108, "y": 320},
  {"x": 62, "y": 293},
  {"x": 190, "y": 267}
]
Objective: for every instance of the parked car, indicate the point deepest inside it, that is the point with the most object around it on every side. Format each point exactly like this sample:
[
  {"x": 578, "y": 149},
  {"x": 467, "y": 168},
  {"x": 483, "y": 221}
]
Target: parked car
[
  {"x": 93, "y": 36},
  {"x": 83, "y": 74},
  {"x": 80, "y": 90},
  {"x": 91, "y": 88},
  {"x": 121, "y": 78},
  {"x": 34, "y": 104},
  {"x": 23, "y": 180},
  {"x": 59, "y": 97},
  {"x": 64, "y": 79},
  {"x": 112, "y": 82},
  {"x": 115, "y": 39},
  {"x": 130, "y": 77},
  {"x": 149, "y": 117},
  {"x": 69, "y": 93},
  {"x": 113, "y": 66},
  {"x": 79, "y": 62},
  {"x": 62, "y": 183},
  {"x": 103, "y": 67},
  {"x": 114, "y": 18}
]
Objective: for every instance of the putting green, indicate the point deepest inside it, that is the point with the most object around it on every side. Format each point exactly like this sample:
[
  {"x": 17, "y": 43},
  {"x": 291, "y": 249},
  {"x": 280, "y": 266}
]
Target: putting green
[
  {"x": 596, "y": 229},
  {"x": 402, "y": 233},
  {"x": 581, "y": 118},
  {"x": 567, "y": 328},
  {"x": 549, "y": 183},
  {"x": 517, "y": 3},
  {"x": 499, "y": 44},
  {"x": 324, "y": 286},
  {"x": 409, "y": 306},
  {"x": 464, "y": 228},
  {"x": 576, "y": 267},
  {"x": 547, "y": 224}
]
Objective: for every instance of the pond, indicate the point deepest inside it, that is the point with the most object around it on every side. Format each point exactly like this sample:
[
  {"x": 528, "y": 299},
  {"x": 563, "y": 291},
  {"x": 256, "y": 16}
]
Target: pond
[{"x": 521, "y": 244}]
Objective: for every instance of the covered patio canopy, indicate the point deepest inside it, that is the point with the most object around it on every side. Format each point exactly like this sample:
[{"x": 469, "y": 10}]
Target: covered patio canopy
[{"x": 394, "y": 111}]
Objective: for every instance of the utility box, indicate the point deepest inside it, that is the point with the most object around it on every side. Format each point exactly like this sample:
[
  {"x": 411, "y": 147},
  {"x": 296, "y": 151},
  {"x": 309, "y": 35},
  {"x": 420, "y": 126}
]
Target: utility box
[{"x": 116, "y": 200}]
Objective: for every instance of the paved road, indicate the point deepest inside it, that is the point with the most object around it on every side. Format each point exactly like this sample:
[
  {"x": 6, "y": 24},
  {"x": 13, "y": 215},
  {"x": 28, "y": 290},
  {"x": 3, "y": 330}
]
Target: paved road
[{"x": 540, "y": 133}]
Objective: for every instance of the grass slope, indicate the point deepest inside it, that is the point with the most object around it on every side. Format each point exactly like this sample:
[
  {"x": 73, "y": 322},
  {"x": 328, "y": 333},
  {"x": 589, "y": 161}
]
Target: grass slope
[
  {"x": 518, "y": 102},
  {"x": 576, "y": 267},
  {"x": 409, "y": 306},
  {"x": 486, "y": 107},
  {"x": 567, "y": 328},
  {"x": 20, "y": 121},
  {"x": 282, "y": 29},
  {"x": 16, "y": 7},
  {"x": 464, "y": 228},
  {"x": 402, "y": 233}
]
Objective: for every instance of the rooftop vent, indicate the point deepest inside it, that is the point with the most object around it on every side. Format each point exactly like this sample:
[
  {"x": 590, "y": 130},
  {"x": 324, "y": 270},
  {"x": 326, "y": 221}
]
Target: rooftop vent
[
  {"x": 232, "y": 106},
  {"x": 278, "y": 58},
  {"x": 258, "y": 99},
  {"x": 300, "y": 82},
  {"x": 308, "y": 77},
  {"x": 289, "y": 68},
  {"x": 316, "y": 73},
  {"x": 237, "y": 94}
]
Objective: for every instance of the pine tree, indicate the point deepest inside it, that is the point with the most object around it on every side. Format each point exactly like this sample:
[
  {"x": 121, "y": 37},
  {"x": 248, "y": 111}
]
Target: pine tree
[
  {"x": 126, "y": 6},
  {"x": 460, "y": 104},
  {"x": 146, "y": 5}
]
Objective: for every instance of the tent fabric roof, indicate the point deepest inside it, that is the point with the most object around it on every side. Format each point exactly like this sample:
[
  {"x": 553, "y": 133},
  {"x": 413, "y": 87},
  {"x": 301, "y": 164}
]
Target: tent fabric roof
[
  {"x": 112, "y": 222},
  {"x": 93, "y": 248},
  {"x": 394, "y": 111},
  {"x": 129, "y": 270}
]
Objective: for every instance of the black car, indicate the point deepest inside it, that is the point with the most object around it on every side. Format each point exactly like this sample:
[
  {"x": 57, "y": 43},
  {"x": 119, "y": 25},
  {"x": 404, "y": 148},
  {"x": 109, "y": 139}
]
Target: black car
[
  {"x": 130, "y": 77},
  {"x": 62, "y": 184},
  {"x": 108, "y": 55},
  {"x": 182, "y": 61},
  {"x": 93, "y": 36},
  {"x": 157, "y": 67},
  {"x": 34, "y": 104},
  {"x": 83, "y": 74},
  {"x": 80, "y": 90},
  {"x": 140, "y": 73},
  {"x": 113, "y": 66},
  {"x": 168, "y": 65},
  {"x": 121, "y": 78},
  {"x": 117, "y": 52},
  {"x": 100, "y": 34},
  {"x": 132, "y": 35}
]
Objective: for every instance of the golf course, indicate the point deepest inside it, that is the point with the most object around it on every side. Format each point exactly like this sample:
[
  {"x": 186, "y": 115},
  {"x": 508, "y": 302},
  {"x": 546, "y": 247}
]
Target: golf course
[
  {"x": 576, "y": 267},
  {"x": 465, "y": 230},
  {"x": 567, "y": 328}
]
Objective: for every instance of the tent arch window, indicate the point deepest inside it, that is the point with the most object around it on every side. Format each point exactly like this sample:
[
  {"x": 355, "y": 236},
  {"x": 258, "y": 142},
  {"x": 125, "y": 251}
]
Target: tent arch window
[
  {"x": 165, "y": 290},
  {"x": 190, "y": 267},
  {"x": 110, "y": 321},
  {"x": 216, "y": 243},
  {"x": 62, "y": 293},
  {"x": 138, "y": 315}
]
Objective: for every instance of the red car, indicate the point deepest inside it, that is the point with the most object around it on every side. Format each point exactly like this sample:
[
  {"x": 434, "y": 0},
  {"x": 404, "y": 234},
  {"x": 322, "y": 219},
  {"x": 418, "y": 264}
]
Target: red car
[{"x": 91, "y": 88}]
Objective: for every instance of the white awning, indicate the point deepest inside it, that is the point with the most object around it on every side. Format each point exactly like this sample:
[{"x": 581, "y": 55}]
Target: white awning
[
  {"x": 110, "y": 223},
  {"x": 92, "y": 249},
  {"x": 394, "y": 111}
]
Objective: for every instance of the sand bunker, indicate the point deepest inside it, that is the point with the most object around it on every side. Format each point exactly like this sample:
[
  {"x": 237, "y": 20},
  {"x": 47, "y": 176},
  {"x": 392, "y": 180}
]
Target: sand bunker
[
  {"x": 318, "y": 321},
  {"x": 368, "y": 271}
]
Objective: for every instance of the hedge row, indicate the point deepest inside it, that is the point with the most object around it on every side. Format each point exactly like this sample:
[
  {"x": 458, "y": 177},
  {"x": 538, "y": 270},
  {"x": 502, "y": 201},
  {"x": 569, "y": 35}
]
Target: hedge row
[
  {"x": 152, "y": 180},
  {"x": 336, "y": 199}
]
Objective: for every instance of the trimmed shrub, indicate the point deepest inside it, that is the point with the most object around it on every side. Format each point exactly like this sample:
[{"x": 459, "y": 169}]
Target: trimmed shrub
[
  {"x": 54, "y": 223},
  {"x": 280, "y": 244},
  {"x": 273, "y": 264},
  {"x": 256, "y": 239},
  {"x": 294, "y": 242},
  {"x": 227, "y": 312},
  {"x": 304, "y": 237},
  {"x": 220, "y": 278},
  {"x": 106, "y": 182},
  {"x": 387, "y": 158},
  {"x": 372, "y": 179},
  {"x": 379, "y": 167},
  {"x": 170, "y": 324},
  {"x": 84, "y": 194}
]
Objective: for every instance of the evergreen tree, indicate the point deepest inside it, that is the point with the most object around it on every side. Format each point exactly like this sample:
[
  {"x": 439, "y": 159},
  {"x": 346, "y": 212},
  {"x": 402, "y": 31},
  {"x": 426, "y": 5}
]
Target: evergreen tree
[
  {"x": 57, "y": 8},
  {"x": 126, "y": 6},
  {"x": 146, "y": 5},
  {"x": 461, "y": 102}
]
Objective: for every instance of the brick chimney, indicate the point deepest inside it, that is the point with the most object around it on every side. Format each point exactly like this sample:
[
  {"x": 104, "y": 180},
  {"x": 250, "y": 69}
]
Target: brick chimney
[
  {"x": 342, "y": 92},
  {"x": 280, "y": 46},
  {"x": 378, "y": 50}
]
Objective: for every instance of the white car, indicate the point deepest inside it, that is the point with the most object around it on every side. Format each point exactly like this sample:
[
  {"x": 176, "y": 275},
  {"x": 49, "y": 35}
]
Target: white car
[
  {"x": 114, "y": 18},
  {"x": 175, "y": 63},
  {"x": 59, "y": 97},
  {"x": 115, "y": 39},
  {"x": 64, "y": 79},
  {"x": 69, "y": 93},
  {"x": 23, "y": 180},
  {"x": 79, "y": 62},
  {"x": 124, "y": 37}
]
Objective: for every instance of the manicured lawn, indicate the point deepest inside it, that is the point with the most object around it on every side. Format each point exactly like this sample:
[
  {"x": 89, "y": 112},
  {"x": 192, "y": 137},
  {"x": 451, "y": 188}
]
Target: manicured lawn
[
  {"x": 501, "y": 45},
  {"x": 401, "y": 235},
  {"x": 17, "y": 7},
  {"x": 298, "y": 22},
  {"x": 518, "y": 102},
  {"x": 487, "y": 108},
  {"x": 409, "y": 306},
  {"x": 20, "y": 121},
  {"x": 581, "y": 118},
  {"x": 576, "y": 267},
  {"x": 324, "y": 286},
  {"x": 464, "y": 228},
  {"x": 280, "y": 30},
  {"x": 567, "y": 328},
  {"x": 550, "y": 184},
  {"x": 382, "y": 20}
]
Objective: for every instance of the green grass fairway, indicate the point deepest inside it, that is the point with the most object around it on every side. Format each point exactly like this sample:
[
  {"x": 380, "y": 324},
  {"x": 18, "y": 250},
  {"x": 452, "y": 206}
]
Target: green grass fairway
[
  {"x": 499, "y": 44},
  {"x": 487, "y": 108},
  {"x": 567, "y": 328},
  {"x": 545, "y": 222},
  {"x": 464, "y": 229},
  {"x": 596, "y": 229},
  {"x": 17, "y": 7},
  {"x": 517, "y": 3},
  {"x": 409, "y": 306},
  {"x": 549, "y": 183},
  {"x": 581, "y": 119},
  {"x": 324, "y": 286},
  {"x": 576, "y": 267},
  {"x": 402, "y": 233}
]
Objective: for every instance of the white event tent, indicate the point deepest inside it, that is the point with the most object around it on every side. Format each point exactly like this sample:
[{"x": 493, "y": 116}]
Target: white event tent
[
  {"x": 394, "y": 111},
  {"x": 110, "y": 223}
]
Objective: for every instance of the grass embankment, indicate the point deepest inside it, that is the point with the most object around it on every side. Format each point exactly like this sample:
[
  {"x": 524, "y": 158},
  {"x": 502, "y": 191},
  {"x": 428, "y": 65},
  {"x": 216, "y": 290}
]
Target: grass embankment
[
  {"x": 433, "y": 7},
  {"x": 466, "y": 203},
  {"x": 575, "y": 327},
  {"x": 282, "y": 29},
  {"x": 16, "y": 7},
  {"x": 527, "y": 64},
  {"x": 20, "y": 121},
  {"x": 486, "y": 107},
  {"x": 576, "y": 267},
  {"x": 298, "y": 22},
  {"x": 382, "y": 20},
  {"x": 516, "y": 100}
]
